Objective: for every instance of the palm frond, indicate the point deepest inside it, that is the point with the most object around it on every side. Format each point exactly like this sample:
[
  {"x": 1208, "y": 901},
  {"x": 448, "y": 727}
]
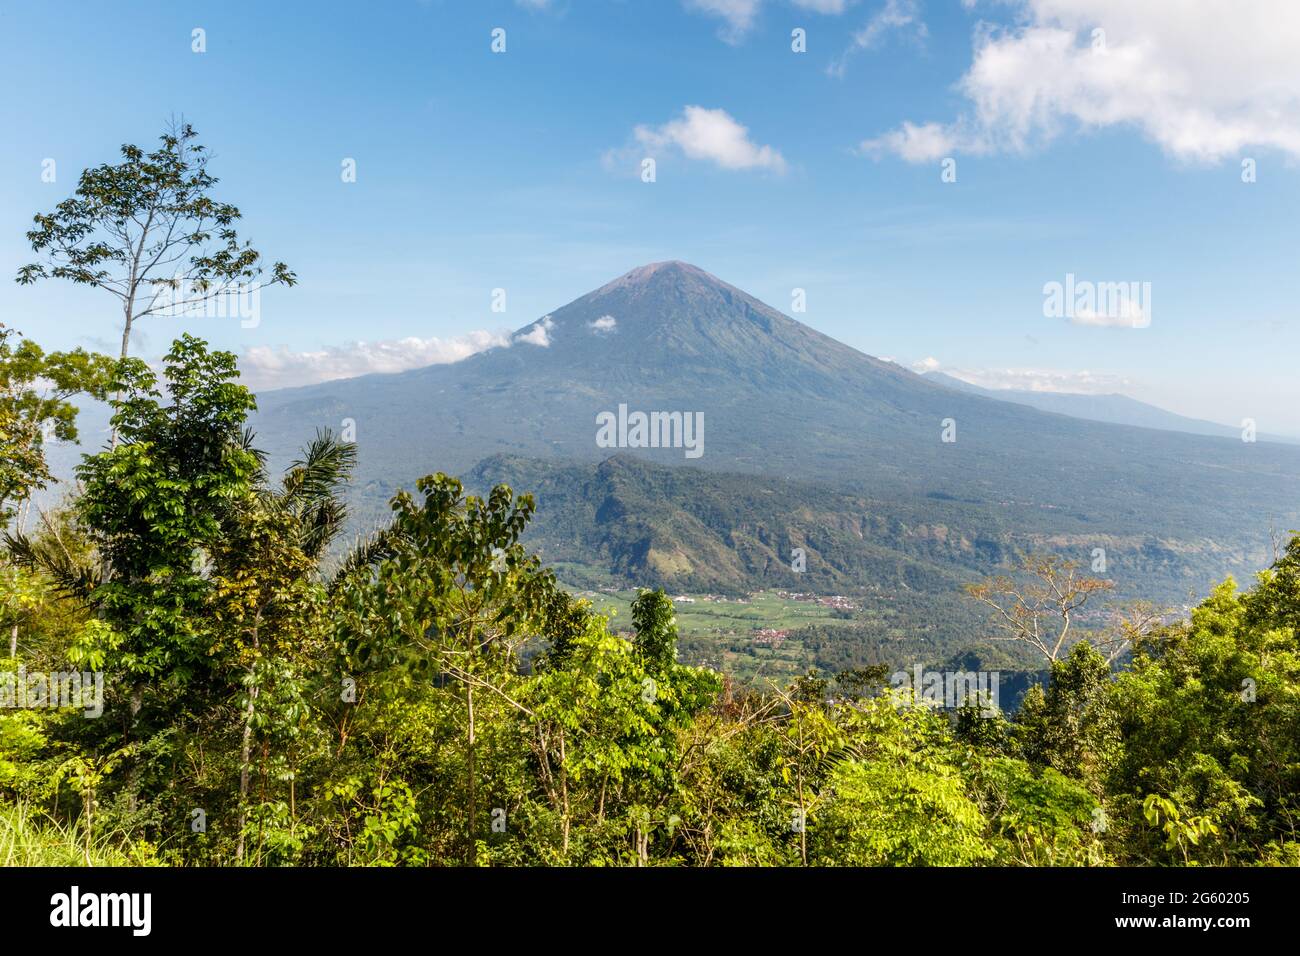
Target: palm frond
[
  {"x": 310, "y": 490},
  {"x": 76, "y": 578},
  {"x": 365, "y": 554},
  {"x": 325, "y": 464}
]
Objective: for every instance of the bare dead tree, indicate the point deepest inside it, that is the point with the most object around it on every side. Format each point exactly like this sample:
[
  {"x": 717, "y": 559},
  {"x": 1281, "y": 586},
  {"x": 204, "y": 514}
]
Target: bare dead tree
[
  {"x": 1129, "y": 624},
  {"x": 1038, "y": 607}
]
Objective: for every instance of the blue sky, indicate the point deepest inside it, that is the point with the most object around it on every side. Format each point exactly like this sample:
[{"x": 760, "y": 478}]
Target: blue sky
[{"x": 775, "y": 170}]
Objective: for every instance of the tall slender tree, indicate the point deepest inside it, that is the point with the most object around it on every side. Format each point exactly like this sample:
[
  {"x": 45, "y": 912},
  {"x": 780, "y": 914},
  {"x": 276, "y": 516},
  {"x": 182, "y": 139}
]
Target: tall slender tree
[{"x": 149, "y": 232}]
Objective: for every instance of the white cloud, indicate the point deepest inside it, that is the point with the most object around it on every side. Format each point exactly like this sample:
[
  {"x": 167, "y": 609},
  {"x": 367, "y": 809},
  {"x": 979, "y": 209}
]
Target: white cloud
[
  {"x": 917, "y": 144},
  {"x": 1203, "y": 79},
  {"x": 539, "y": 333},
  {"x": 711, "y": 135},
  {"x": 265, "y": 368},
  {"x": 533, "y": 4},
  {"x": 603, "y": 325},
  {"x": 894, "y": 15}
]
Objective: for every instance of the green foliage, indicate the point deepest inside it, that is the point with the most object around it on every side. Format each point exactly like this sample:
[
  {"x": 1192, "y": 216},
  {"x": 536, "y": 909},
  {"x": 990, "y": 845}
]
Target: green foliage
[
  {"x": 884, "y": 815},
  {"x": 655, "y": 624},
  {"x": 1180, "y": 831},
  {"x": 436, "y": 698},
  {"x": 155, "y": 502},
  {"x": 1039, "y": 816},
  {"x": 1210, "y": 718},
  {"x": 36, "y": 389},
  {"x": 1071, "y": 727}
]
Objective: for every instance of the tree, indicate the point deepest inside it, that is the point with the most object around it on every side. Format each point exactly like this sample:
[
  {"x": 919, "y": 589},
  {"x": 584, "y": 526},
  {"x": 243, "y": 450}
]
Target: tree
[
  {"x": 808, "y": 735},
  {"x": 655, "y": 622},
  {"x": 891, "y": 789},
  {"x": 608, "y": 712},
  {"x": 36, "y": 392},
  {"x": 595, "y": 730},
  {"x": 1072, "y": 727},
  {"x": 1038, "y": 816},
  {"x": 153, "y": 508},
  {"x": 20, "y": 593},
  {"x": 267, "y": 598},
  {"x": 1211, "y": 723},
  {"x": 1039, "y": 609},
  {"x": 451, "y": 590},
  {"x": 148, "y": 232}
]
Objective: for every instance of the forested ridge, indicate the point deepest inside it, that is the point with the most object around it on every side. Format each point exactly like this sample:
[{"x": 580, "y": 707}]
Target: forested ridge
[{"x": 436, "y": 698}]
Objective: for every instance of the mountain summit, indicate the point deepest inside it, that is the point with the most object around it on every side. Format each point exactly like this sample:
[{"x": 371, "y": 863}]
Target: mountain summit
[
  {"x": 668, "y": 319},
  {"x": 673, "y": 271},
  {"x": 777, "y": 398}
]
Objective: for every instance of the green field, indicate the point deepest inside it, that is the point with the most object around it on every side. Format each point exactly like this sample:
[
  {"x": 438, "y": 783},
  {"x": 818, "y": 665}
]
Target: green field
[
  {"x": 724, "y": 633},
  {"x": 728, "y": 616},
  {"x": 727, "y": 635}
]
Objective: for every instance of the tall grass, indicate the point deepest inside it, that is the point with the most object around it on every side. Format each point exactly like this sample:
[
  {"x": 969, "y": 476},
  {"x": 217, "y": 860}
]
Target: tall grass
[{"x": 29, "y": 837}]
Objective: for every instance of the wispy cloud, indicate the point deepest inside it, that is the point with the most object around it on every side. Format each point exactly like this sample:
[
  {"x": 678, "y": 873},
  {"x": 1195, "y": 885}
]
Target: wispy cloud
[
  {"x": 823, "y": 6},
  {"x": 1129, "y": 316},
  {"x": 1074, "y": 381},
  {"x": 740, "y": 16},
  {"x": 895, "y": 15}
]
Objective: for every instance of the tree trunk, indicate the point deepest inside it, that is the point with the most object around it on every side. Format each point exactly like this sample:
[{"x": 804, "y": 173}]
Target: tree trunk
[
  {"x": 89, "y": 799},
  {"x": 470, "y": 772},
  {"x": 13, "y": 640},
  {"x": 564, "y": 791},
  {"x": 133, "y": 775},
  {"x": 127, "y": 318},
  {"x": 642, "y": 847},
  {"x": 245, "y": 762},
  {"x": 246, "y": 747},
  {"x": 126, "y": 335}
]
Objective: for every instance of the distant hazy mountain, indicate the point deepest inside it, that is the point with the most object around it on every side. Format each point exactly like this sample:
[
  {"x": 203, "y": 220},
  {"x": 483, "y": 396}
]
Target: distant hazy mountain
[
  {"x": 781, "y": 400},
  {"x": 1114, "y": 408}
]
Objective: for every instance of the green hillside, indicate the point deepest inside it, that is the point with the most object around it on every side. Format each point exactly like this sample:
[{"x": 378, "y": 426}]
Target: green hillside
[{"x": 627, "y": 520}]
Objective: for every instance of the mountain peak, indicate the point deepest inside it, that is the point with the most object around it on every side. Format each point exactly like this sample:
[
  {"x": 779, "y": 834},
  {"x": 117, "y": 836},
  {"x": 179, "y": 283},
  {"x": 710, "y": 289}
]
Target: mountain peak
[{"x": 673, "y": 270}]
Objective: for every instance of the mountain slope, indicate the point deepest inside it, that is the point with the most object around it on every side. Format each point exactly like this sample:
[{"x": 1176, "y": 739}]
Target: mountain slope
[
  {"x": 686, "y": 529},
  {"x": 782, "y": 400},
  {"x": 1113, "y": 408}
]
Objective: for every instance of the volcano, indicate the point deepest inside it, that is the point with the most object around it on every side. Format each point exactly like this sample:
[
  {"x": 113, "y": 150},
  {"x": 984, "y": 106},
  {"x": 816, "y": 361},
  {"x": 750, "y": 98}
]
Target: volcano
[{"x": 778, "y": 400}]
